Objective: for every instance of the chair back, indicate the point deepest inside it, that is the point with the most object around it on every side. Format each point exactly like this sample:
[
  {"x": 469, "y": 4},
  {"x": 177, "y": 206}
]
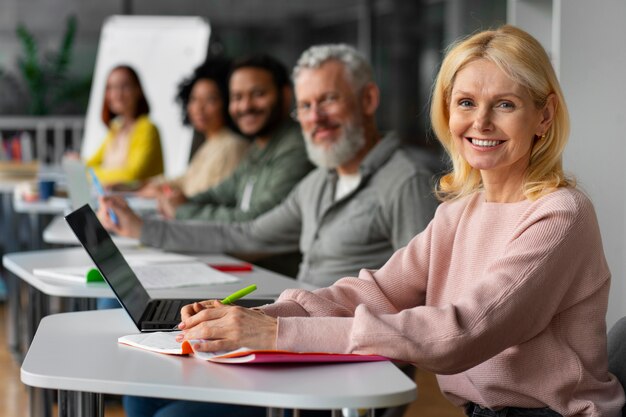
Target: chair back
[{"x": 616, "y": 344}]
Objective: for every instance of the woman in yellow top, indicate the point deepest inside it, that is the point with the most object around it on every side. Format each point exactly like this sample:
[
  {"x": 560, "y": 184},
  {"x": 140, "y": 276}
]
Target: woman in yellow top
[
  {"x": 204, "y": 101},
  {"x": 131, "y": 150}
]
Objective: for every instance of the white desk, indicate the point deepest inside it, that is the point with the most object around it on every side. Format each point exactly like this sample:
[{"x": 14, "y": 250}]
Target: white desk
[
  {"x": 40, "y": 289},
  {"x": 22, "y": 264},
  {"x": 53, "y": 205},
  {"x": 58, "y": 232},
  {"x": 79, "y": 352}
]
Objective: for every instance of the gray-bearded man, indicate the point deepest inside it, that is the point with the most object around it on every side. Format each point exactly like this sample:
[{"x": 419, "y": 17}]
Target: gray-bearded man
[{"x": 368, "y": 197}]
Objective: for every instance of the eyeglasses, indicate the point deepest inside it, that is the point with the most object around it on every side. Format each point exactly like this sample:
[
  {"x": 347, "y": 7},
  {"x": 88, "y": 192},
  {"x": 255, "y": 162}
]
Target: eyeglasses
[{"x": 325, "y": 106}]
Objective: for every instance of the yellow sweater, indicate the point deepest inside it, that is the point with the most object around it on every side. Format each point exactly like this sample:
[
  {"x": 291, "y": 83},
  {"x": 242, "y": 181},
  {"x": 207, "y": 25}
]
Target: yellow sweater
[{"x": 144, "y": 160}]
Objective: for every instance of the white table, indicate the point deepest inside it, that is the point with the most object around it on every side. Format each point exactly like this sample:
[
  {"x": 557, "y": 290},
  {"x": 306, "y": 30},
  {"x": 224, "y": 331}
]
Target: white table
[
  {"x": 53, "y": 205},
  {"x": 270, "y": 285},
  {"x": 58, "y": 232},
  {"x": 78, "y": 352},
  {"x": 22, "y": 264}
]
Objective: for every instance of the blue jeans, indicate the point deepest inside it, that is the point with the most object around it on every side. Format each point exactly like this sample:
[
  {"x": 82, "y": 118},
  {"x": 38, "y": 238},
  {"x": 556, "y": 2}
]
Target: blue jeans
[
  {"x": 157, "y": 407},
  {"x": 475, "y": 410},
  {"x": 107, "y": 303}
]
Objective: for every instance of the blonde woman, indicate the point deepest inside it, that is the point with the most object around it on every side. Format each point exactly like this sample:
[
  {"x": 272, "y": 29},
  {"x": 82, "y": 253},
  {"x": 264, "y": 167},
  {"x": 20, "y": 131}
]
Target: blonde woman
[{"x": 504, "y": 295}]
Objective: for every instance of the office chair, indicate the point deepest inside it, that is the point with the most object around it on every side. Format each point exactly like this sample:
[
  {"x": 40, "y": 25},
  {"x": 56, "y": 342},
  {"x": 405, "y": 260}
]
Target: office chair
[{"x": 616, "y": 344}]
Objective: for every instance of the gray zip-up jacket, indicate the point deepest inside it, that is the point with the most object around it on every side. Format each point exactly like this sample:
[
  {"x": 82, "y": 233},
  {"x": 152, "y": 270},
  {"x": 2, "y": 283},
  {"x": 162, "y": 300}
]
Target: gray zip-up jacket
[{"x": 392, "y": 203}]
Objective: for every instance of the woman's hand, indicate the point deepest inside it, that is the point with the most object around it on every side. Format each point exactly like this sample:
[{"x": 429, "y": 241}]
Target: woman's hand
[
  {"x": 129, "y": 224},
  {"x": 226, "y": 327}
]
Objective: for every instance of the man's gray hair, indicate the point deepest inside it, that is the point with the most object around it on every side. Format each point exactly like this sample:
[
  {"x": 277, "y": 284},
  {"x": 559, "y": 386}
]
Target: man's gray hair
[{"x": 357, "y": 68}]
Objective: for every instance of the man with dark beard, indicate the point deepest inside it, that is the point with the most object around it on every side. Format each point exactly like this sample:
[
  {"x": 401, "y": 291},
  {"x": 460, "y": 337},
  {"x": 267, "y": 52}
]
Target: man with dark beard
[
  {"x": 368, "y": 197},
  {"x": 260, "y": 95}
]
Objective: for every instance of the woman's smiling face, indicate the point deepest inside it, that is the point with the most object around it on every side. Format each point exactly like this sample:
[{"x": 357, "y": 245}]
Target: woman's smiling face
[{"x": 494, "y": 121}]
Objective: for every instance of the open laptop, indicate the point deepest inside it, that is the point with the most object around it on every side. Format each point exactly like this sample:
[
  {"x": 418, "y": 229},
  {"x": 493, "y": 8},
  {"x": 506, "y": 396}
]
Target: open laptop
[
  {"x": 148, "y": 314},
  {"x": 80, "y": 193}
]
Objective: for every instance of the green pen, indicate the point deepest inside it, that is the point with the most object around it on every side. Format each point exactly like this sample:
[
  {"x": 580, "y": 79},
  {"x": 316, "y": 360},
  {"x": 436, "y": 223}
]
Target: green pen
[
  {"x": 238, "y": 294},
  {"x": 233, "y": 297}
]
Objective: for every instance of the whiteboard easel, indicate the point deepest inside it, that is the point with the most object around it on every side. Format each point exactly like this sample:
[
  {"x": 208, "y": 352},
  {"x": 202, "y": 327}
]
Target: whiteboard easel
[{"x": 163, "y": 50}]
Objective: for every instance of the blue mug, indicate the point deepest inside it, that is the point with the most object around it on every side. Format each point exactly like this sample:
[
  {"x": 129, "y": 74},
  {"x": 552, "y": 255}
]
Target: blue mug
[{"x": 46, "y": 189}]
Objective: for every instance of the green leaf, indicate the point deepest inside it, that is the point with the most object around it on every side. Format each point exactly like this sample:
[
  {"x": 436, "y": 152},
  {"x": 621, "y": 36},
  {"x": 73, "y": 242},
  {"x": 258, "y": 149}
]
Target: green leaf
[
  {"x": 64, "y": 55},
  {"x": 46, "y": 77}
]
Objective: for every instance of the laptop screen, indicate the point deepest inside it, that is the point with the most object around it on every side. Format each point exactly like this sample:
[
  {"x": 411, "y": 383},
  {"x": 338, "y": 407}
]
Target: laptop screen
[{"x": 109, "y": 260}]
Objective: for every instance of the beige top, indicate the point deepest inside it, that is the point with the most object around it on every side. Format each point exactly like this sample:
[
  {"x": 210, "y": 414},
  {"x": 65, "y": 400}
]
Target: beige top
[
  {"x": 213, "y": 162},
  {"x": 116, "y": 153}
]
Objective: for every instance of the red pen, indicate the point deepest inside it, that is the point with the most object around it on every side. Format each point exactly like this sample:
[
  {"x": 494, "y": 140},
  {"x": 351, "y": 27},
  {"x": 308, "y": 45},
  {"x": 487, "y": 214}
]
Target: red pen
[{"x": 242, "y": 267}]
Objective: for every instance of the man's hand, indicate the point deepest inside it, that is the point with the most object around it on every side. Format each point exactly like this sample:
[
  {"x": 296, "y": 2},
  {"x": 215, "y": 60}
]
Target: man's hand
[
  {"x": 226, "y": 327},
  {"x": 169, "y": 202},
  {"x": 129, "y": 224}
]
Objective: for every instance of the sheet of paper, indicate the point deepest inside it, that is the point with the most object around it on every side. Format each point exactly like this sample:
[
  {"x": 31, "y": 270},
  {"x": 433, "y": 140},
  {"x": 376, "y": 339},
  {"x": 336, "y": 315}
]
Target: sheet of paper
[
  {"x": 67, "y": 273},
  {"x": 171, "y": 275},
  {"x": 180, "y": 275},
  {"x": 150, "y": 258},
  {"x": 164, "y": 342}
]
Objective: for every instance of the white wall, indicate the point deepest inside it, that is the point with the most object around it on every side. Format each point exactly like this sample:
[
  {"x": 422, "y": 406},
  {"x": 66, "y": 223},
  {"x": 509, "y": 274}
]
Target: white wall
[
  {"x": 593, "y": 76},
  {"x": 588, "y": 44}
]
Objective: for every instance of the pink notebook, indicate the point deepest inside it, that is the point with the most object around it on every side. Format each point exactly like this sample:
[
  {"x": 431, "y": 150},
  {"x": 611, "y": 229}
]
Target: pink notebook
[{"x": 165, "y": 342}]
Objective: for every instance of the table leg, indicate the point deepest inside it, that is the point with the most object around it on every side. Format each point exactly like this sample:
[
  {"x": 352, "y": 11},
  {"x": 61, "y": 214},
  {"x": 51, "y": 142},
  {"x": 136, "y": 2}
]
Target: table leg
[
  {"x": 10, "y": 219},
  {"x": 39, "y": 402},
  {"x": 90, "y": 404},
  {"x": 38, "y": 308},
  {"x": 355, "y": 412},
  {"x": 275, "y": 412},
  {"x": 14, "y": 308},
  {"x": 83, "y": 304},
  {"x": 35, "y": 235},
  {"x": 66, "y": 403},
  {"x": 11, "y": 244}
]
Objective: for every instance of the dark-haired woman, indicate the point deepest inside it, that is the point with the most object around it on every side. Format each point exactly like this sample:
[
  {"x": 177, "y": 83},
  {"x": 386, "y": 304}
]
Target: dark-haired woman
[{"x": 204, "y": 99}]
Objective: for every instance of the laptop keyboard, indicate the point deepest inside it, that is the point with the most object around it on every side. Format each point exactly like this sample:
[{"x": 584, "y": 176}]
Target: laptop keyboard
[{"x": 167, "y": 310}]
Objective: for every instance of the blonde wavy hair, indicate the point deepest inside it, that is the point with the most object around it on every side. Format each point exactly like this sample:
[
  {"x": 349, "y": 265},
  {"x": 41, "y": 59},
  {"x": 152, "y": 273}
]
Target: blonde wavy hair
[{"x": 523, "y": 59}]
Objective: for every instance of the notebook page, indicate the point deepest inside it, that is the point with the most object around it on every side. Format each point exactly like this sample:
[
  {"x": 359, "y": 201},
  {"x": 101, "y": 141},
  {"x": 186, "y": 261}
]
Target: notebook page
[
  {"x": 180, "y": 275},
  {"x": 150, "y": 257}
]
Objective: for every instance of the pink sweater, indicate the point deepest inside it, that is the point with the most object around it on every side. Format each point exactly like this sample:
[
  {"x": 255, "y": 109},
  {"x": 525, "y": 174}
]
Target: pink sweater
[{"x": 505, "y": 302}]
